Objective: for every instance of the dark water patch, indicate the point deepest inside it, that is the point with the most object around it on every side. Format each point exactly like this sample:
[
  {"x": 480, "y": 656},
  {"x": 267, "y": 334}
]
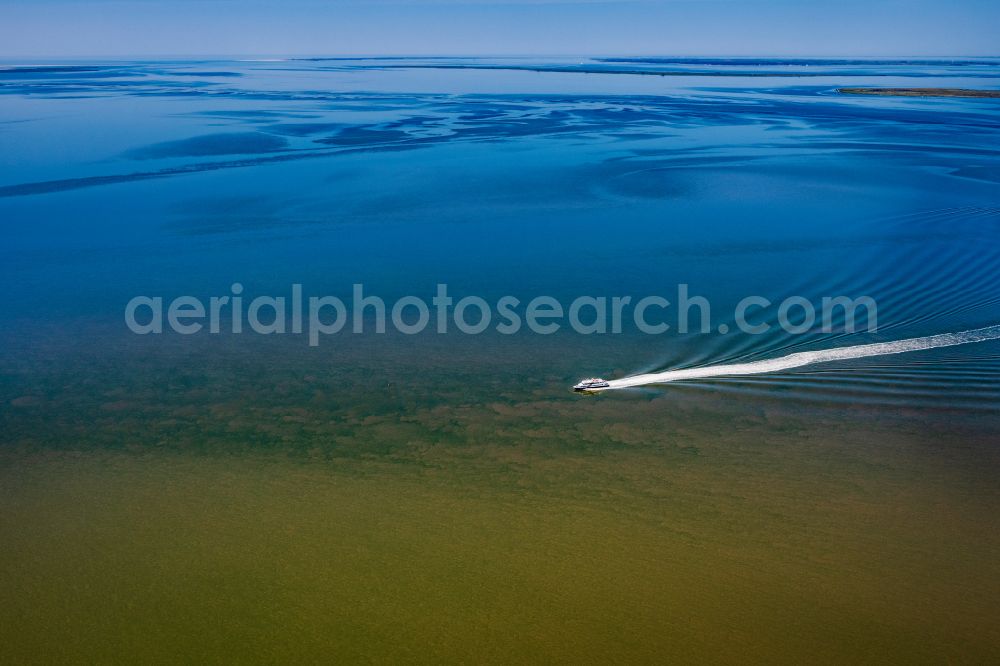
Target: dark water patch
[
  {"x": 372, "y": 107},
  {"x": 494, "y": 105},
  {"x": 922, "y": 92},
  {"x": 304, "y": 129},
  {"x": 253, "y": 115},
  {"x": 61, "y": 185},
  {"x": 364, "y": 136},
  {"x": 150, "y": 87},
  {"x": 64, "y": 184},
  {"x": 83, "y": 71},
  {"x": 419, "y": 122},
  {"x": 211, "y": 144},
  {"x": 220, "y": 74},
  {"x": 574, "y": 115},
  {"x": 766, "y": 62},
  {"x": 46, "y": 187},
  {"x": 649, "y": 71}
]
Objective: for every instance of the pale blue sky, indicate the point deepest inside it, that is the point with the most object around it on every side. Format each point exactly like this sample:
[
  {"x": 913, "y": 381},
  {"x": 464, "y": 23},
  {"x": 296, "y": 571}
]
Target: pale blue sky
[{"x": 524, "y": 27}]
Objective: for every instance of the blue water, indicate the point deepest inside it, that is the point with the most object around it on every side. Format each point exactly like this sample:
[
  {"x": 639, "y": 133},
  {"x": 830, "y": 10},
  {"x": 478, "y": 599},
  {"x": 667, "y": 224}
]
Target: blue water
[{"x": 527, "y": 177}]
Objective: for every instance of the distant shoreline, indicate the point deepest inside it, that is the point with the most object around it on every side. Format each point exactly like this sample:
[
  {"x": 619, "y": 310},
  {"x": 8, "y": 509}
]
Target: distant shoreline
[{"x": 921, "y": 92}]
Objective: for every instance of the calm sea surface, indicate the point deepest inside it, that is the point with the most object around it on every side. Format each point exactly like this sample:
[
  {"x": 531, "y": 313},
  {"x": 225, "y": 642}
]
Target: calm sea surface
[{"x": 447, "y": 497}]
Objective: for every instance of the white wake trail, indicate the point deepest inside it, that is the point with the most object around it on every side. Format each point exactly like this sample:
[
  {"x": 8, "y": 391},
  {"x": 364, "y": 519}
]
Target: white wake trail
[{"x": 801, "y": 359}]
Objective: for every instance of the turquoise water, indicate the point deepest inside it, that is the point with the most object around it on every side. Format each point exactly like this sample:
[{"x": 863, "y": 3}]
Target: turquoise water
[
  {"x": 739, "y": 178},
  {"x": 853, "y": 502}
]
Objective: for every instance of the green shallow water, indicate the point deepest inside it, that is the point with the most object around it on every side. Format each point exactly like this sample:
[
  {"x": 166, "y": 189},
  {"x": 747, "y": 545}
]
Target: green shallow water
[
  {"x": 148, "y": 514},
  {"x": 715, "y": 556}
]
